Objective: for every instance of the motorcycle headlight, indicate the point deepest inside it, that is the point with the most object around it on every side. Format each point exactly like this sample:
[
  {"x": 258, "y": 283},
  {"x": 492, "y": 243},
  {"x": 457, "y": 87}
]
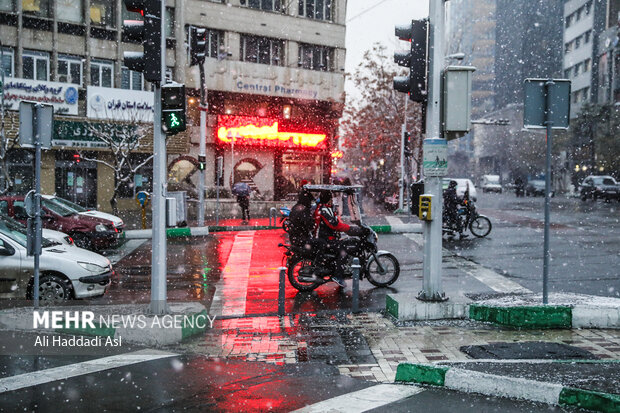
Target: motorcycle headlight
[
  {"x": 94, "y": 268},
  {"x": 100, "y": 228}
]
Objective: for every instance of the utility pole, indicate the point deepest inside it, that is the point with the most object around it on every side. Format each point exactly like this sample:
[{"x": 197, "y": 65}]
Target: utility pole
[
  {"x": 403, "y": 170},
  {"x": 203, "y": 150}
]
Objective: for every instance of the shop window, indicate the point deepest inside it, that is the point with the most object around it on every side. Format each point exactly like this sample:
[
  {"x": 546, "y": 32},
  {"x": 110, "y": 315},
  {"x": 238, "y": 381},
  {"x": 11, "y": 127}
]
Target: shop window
[
  {"x": 7, "y": 5},
  {"x": 316, "y": 57},
  {"x": 7, "y": 62},
  {"x": 142, "y": 180},
  {"x": 316, "y": 9},
  {"x": 101, "y": 73},
  {"x": 102, "y": 12},
  {"x": 70, "y": 69},
  {"x": 39, "y": 8},
  {"x": 262, "y": 50},
  {"x": 269, "y": 5},
  {"x": 70, "y": 11},
  {"x": 130, "y": 79},
  {"x": 35, "y": 65},
  {"x": 21, "y": 170}
]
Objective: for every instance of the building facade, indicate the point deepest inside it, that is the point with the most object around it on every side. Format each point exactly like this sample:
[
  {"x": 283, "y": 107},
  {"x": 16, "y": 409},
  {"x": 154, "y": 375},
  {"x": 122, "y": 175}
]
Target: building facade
[{"x": 274, "y": 67}]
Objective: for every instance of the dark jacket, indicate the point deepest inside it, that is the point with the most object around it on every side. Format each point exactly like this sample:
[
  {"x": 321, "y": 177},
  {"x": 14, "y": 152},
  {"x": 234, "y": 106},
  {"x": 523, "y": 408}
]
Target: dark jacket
[{"x": 300, "y": 220}]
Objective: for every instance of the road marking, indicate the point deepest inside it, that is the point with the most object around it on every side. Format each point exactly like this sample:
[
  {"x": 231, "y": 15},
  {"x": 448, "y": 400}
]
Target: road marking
[
  {"x": 36, "y": 378},
  {"x": 493, "y": 280},
  {"x": 363, "y": 400},
  {"x": 231, "y": 290}
]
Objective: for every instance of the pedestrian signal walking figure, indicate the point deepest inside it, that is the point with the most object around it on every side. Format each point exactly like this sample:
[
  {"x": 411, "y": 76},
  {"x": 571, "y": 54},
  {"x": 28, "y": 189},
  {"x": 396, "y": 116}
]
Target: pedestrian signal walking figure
[{"x": 242, "y": 191}]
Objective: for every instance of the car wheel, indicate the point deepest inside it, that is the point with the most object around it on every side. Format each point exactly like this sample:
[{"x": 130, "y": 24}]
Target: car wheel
[
  {"x": 54, "y": 290},
  {"x": 81, "y": 240}
]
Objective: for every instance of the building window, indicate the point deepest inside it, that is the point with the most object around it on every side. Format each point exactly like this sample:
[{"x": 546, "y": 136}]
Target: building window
[
  {"x": 567, "y": 73},
  {"x": 587, "y": 36},
  {"x": 316, "y": 57},
  {"x": 70, "y": 11},
  {"x": 569, "y": 20},
  {"x": 262, "y": 50},
  {"x": 269, "y": 5},
  {"x": 587, "y": 65},
  {"x": 70, "y": 69},
  {"x": 7, "y": 5},
  {"x": 568, "y": 47},
  {"x": 588, "y": 7},
  {"x": 7, "y": 62},
  {"x": 130, "y": 79},
  {"x": 102, "y": 12},
  {"x": 101, "y": 73},
  {"x": 215, "y": 43},
  {"x": 577, "y": 69},
  {"x": 39, "y": 8},
  {"x": 316, "y": 9},
  {"x": 35, "y": 65}
]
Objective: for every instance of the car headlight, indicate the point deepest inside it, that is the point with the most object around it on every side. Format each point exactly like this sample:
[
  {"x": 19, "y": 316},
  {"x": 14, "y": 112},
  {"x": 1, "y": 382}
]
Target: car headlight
[
  {"x": 100, "y": 228},
  {"x": 97, "y": 269}
]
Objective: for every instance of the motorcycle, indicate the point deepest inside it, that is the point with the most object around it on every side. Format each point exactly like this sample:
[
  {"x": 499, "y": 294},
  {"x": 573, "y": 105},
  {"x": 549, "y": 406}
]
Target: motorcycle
[
  {"x": 311, "y": 266},
  {"x": 469, "y": 218}
]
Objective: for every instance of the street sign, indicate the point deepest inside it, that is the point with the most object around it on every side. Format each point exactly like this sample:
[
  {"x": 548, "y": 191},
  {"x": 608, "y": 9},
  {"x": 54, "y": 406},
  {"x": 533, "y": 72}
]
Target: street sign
[
  {"x": 143, "y": 198},
  {"x": 535, "y": 103},
  {"x": 35, "y": 118},
  {"x": 435, "y": 161}
]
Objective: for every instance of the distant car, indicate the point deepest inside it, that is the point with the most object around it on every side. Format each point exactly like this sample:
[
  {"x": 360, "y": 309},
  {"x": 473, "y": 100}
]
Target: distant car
[
  {"x": 461, "y": 186},
  {"x": 118, "y": 222},
  {"x": 536, "y": 187},
  {"x": 600, "y": 186},
  {"x": 490, "y": 183},
  {"x": 87, "y": 232},
  {"x": 65, "y": 272}
]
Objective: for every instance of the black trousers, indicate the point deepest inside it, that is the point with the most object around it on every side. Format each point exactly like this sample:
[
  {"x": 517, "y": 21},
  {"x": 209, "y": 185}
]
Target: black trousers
[{"x": 244, "y": 203}]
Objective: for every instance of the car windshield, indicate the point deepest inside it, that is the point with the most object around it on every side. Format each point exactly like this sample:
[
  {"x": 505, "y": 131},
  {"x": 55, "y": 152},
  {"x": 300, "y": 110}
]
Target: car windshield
[
  {"x": 17, "y": 233},
  {"x": 57, "y": 208},
  {"x": 67, "y": 204}
]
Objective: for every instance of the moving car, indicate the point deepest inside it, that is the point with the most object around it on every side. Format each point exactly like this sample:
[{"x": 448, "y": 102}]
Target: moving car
[
  {"x": 536, "y": 187},
  {"x": 65, "y": 272},
  {"x": 600, "y": 186},
  {"x": 86, "y": 231},
  {"x": 461, "y": 186},
  {"x": 118, "y": 222},
  {"x": 490, "y": 183}
]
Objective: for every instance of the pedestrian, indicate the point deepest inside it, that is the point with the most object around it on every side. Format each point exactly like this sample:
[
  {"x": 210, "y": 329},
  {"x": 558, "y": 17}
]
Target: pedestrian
[{"x": 242, "y": 191}]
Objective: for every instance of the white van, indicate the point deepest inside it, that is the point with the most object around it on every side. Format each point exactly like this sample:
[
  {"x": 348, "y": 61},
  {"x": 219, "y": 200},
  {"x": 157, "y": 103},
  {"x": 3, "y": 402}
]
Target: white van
[{"x": 490, "y": 183}]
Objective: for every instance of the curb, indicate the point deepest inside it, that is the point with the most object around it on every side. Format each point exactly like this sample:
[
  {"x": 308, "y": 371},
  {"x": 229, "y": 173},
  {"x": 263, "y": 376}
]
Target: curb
[{"x": 510, "y": 387}]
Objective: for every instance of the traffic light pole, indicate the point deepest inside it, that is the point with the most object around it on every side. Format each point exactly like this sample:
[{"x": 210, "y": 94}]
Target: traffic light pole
[
  {"x": 403, "y": 183},
  {"x": 432, "y": 283},
  {"x": 203, "y": 150},
  {"x": 158, "y": 303}
]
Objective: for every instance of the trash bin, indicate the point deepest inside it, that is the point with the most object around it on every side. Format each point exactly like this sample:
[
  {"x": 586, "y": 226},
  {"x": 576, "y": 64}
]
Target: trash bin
[
  {"x": 417, "y": 189},
  {"x": 180, "y": 198}
]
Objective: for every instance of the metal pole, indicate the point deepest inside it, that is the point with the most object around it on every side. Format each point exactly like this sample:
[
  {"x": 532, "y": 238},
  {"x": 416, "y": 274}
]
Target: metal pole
[
  {"x": 356, "y": 284},
  {"x": 203, "y": 139},
  {"x": 2, "y": 137},
  {"x": 402, "y": 168},
  {"x": 219, "y": 166},
  {"x": 281, "y": 291},
  {"x": 548, "y": 85},
  {"x": 158, "y": 257},
  {"x": 432, "y": 285},
  {"x": 37, "y": 201}
]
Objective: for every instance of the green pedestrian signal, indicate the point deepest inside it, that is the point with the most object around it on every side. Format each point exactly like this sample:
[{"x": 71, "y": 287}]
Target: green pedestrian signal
[{"x": 173, "y": 108}]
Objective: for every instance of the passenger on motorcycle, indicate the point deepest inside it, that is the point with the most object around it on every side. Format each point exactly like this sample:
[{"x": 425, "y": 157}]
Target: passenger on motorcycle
[
  {"x": 327, "y": 230},
  {"x": 301, "y": 222},
  {"x": 451, "y": 202}
]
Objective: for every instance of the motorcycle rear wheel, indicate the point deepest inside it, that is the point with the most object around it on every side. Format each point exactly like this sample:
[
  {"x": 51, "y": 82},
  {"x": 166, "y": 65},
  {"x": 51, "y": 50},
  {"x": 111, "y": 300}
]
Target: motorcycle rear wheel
[
  {"x": 296, "y": 264},
  {"x": 481, "y": 226},
  {"x": 391, "y": 267}
]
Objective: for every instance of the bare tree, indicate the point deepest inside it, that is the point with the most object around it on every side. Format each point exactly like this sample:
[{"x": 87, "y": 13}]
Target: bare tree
[{"x": 371, "y": 125}]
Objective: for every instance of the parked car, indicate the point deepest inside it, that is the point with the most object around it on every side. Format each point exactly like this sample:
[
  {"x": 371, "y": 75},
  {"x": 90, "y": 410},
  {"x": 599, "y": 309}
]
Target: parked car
[
  {"x": 65, "y": 272},
  {"x": 536, "y": 187},
  {"x": 50, "y": 234},
  {"x": 87, "y": 232},
  {"x": 600, "y": 186},
  {"x": 490, "y": 183},
  {"x": 461, "y": 186},
  {"x": 118, "y": 222}
]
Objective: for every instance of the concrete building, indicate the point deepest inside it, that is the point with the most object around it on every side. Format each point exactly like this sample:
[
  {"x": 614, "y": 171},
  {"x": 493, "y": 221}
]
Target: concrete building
[
  {"x": 273, "y": 66},
  {"x": 608, "y": 57}
]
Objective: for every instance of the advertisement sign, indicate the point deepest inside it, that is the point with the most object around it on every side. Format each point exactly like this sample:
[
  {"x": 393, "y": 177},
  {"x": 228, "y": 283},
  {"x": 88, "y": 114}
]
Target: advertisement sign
[
  {"x": 119, "y": 104},
  {"x": 435, "y": 157},
  {"x": 62, "y": 96}
]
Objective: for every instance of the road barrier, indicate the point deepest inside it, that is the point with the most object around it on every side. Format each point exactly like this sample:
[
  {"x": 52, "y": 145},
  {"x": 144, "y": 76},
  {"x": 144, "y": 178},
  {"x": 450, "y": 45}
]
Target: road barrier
[
  {"x": 356, "y": 285},
  {"x": 281, "y": 291},
  {"x": 273, "y": 213}
]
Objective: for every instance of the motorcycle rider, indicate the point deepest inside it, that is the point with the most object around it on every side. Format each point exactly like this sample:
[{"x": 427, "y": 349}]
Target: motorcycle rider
[
  {"x": 327, "y": 229},
  {"x": 451, "y": 203},
  {"x": 301, "y": 222}
]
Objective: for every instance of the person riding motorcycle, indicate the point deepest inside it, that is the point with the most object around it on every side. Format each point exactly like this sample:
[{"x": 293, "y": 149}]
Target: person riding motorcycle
[
  {"x": 301, "y": 222},
  {"x": 451, "y": 203},
  {"x": 328, "y": 227}
]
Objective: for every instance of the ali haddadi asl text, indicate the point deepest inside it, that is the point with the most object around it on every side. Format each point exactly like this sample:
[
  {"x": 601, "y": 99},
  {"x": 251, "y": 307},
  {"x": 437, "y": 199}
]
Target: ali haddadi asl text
[{"x": 77, "y": 341}]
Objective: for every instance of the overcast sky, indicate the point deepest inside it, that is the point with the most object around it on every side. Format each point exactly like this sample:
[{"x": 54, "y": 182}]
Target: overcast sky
[{"x": 370, "y": 21}]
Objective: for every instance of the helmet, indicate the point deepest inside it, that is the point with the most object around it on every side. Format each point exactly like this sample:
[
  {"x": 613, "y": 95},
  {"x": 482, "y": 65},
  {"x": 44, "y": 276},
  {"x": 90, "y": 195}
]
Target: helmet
[{"x": 452, "y": 184}]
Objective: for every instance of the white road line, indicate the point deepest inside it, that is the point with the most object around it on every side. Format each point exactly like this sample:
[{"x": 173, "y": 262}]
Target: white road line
[
  {"x": 493, "y": 280},
  {"x": 232, "y": 289},
  {"x": 363, "y": 400},
  {"x": 36, "y": 378}
]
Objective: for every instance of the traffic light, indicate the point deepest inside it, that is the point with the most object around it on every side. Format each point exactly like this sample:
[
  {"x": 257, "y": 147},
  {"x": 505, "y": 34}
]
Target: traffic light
[
  {"x": 406, "y": 143},
  {"x": 148, "y": 32},
  {"x": 416, "y": 60},
  {"x": 197, "y": 45},
  {"x": 173, "y": 108}
]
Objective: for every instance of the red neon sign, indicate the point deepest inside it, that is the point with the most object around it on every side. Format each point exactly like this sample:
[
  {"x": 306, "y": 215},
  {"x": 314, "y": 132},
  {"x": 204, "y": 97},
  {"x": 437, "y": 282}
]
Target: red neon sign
[{"x": 248, "y": 130}]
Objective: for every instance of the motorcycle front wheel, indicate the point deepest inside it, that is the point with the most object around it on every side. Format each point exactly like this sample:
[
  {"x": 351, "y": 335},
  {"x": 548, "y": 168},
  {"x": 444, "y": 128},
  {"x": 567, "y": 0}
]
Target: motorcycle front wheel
[
  {"x": 391, "y": 270},
  {"x": 481, "y": 226},
  {"x": 295, "y": 265}
]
